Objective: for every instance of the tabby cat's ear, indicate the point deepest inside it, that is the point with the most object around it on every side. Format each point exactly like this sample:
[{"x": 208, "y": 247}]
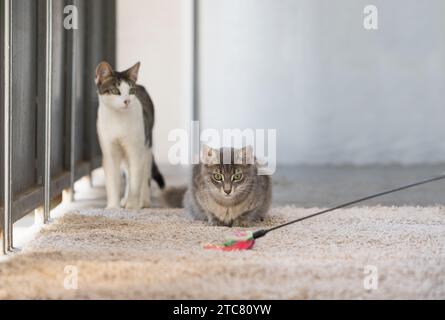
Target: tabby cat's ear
[
  {"x": 133, "y": 72},
  {"x": 245, "y": 155},
  {"x": 209, "y": 155},
  {"x": 103, "y": 71}
]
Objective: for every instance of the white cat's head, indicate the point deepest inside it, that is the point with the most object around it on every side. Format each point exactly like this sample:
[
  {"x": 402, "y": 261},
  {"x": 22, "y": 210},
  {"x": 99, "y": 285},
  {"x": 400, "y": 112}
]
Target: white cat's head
[{"x": 116, "y": 89}]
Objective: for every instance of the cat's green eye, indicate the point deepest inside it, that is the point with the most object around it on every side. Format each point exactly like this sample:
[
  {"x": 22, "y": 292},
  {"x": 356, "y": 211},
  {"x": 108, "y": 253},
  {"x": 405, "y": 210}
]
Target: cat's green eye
[
  {"x": 218, "y": 176},
  {"x": 132, "y": 90},
  {"x": 115, "y": 91},
  {"x": 237, "y": 176}
]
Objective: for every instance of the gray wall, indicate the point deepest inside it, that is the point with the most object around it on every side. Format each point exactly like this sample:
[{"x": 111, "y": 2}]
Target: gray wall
[{"x": 337, "y": 93}]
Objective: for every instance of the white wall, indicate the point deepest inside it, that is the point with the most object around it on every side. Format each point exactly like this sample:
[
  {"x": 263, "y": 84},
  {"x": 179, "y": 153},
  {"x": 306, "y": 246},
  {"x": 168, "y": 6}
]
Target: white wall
[
  {"x": 336, "y": 92},
  {"x": 158, "y": 33}
]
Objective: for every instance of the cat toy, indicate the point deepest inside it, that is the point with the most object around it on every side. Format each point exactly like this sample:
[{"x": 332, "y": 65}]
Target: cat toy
[{"x": 245, "y": 240}]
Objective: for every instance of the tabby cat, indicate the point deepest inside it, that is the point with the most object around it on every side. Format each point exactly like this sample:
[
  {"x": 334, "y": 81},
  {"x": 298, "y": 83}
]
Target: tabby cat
[{"x": 224, "y": 193}]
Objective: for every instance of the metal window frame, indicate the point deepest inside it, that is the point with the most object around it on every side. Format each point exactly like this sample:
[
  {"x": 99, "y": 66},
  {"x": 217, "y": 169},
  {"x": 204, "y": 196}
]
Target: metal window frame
[
  {"x": 48, "y": 108},
  {"x": 195, "y": 67},
  {"x": 7, "y": 234},
  {"x": 79, "y": 129},
  {"x": 72, "y": 161}
]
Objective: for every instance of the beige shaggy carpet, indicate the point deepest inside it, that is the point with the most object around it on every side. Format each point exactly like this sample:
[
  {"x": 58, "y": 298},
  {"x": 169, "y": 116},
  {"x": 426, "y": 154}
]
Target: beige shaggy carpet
[{"x": 157, "y": 253}]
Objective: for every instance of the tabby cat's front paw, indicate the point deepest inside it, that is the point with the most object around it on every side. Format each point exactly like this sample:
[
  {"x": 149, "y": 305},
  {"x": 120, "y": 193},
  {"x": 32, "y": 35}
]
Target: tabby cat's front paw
[
  {"x": 216, "y": 223},
  {"x": 241, "y": 224}
]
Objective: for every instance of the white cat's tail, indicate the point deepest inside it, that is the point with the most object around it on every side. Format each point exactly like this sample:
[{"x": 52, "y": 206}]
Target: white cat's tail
[{"x": 172, "y": 197}]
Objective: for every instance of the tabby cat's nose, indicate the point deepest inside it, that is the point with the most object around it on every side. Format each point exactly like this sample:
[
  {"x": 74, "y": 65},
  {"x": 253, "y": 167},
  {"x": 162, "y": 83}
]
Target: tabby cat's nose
[{"x": 227, "y": 191}]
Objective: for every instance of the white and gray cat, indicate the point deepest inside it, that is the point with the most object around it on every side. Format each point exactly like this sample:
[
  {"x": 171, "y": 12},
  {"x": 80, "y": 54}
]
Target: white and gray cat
[
  {"x": 124, "y": 126},
  {"x": 224, "y": 193}
]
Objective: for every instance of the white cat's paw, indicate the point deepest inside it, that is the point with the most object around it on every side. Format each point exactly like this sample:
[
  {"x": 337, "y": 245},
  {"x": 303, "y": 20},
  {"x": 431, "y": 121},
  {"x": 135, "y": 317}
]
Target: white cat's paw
[
  {"x": 133, "y": 205},
  {"x": 146, "y": 203},
  {"x": 124, "y": 202}
]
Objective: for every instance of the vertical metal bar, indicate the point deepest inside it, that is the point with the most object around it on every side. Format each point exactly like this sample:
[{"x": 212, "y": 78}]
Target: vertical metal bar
[
  {"x": 73, "y": 111},
  {"x": 7, "y": 232},
  {"x": 196, "y": 98},
  {"x": 48, "y": 108},
  {"x": 195, "y": 131}
]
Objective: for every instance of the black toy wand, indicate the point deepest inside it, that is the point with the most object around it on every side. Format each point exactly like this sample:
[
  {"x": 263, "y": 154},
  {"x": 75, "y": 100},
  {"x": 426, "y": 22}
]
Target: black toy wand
[{"x": 248, "y": 243}]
